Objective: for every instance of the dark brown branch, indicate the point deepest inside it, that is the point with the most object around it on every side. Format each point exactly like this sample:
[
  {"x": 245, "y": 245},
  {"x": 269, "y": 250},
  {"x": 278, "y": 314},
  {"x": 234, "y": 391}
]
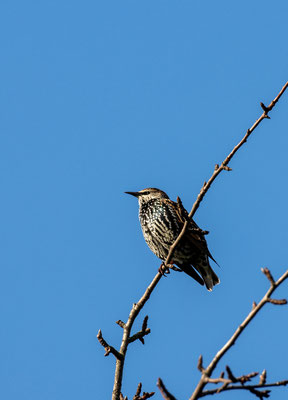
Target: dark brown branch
[
  {"x": 251, "y": 388},
  {"x": 200, "y": 364},
  {"x": 139, "y": 335},
  {"x": 208, "y": 371},
  {"x": 268, "y": 275},
  {"x": 278, "y": 302},
  {"x": 165, "y": 393},
  {"x": 120, "y": 323},
  {"x": 229, "y": 384},
  {"x": 230, "y": 374},
  {"x": 138, "y": 391},
  {"x": 109, "y": 349},
  {"x": 144, "y": 396}
]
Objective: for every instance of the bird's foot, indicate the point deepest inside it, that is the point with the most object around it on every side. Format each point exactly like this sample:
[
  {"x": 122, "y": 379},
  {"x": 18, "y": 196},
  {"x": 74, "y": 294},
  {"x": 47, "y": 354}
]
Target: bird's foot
[{"x": 165, "y": 269}]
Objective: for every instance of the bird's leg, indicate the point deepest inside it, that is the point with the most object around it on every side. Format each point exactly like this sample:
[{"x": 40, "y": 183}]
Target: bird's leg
[{"x": 163, "y": 269}]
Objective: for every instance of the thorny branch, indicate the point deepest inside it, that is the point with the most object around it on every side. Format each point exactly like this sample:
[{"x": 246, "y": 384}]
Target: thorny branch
[{"x": 126, "y": 339}]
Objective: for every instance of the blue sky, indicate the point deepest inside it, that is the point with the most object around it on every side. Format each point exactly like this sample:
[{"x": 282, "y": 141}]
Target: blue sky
[{"x": 98, "y": 98}]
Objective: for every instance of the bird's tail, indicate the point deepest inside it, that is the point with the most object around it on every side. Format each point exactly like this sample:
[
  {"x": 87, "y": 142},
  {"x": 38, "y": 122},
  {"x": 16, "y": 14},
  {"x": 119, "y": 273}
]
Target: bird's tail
[{"x": 207, "y": 275}]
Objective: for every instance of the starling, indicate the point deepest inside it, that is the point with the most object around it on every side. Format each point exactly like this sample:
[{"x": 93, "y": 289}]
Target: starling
[{"x": 162, "y": 221}]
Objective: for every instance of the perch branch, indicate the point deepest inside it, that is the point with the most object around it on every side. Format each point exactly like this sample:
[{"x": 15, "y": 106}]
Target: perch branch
[{"x": 127, "y": 339}]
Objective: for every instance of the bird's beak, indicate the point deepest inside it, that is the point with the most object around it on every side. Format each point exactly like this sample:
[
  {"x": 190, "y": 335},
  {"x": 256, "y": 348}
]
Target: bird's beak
[{"x": 135, "y": 194}]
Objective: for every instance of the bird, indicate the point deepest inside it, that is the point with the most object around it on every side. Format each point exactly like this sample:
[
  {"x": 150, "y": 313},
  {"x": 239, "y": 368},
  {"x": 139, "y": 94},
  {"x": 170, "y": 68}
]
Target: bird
[{"x": 161, "y": 221}]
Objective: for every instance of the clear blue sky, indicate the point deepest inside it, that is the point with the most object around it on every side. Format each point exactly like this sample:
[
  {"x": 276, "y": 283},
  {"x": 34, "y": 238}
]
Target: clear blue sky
[{"x": 101, "y": 97}]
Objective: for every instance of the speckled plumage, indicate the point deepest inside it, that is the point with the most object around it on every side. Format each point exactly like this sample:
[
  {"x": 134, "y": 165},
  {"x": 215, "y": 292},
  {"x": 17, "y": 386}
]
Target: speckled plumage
[{"x": 161, "y": 221}]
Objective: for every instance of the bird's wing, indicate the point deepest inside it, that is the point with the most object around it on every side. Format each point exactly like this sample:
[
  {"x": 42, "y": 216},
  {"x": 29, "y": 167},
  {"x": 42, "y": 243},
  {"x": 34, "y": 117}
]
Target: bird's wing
[{"x": 194, "y": 233}]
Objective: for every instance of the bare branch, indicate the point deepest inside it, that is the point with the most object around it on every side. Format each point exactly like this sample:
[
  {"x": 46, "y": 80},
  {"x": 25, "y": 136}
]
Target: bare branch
[
  {"x": 218, "y": 169},
  {"x": 278, "y": 302},
  {"x": 263, "y": 376},
  {"x": 109, "y": 349},
  {"x": 144, "y": 395},
  {"x": 126, "y": 339},
  {"x": 208, "y": 371},
  {"x": 200, "y": 364},
  {"x": 251, "y": 388},
  {"x": 230, "y": 374},
  {"x": 139, "y": 335},
  {"x": 120, "y": 323},
  {"x": 268, "y": 275},
  {"x": 165, "y": 394},
  {"x": 138, "y": 391},
  {"x": 231, "y": 378}
]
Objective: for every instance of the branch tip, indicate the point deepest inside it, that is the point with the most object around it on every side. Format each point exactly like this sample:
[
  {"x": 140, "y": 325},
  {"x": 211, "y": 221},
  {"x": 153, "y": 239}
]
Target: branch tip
[
  {"x": 139, "y": 388},
  {"x": 121, "y": 323},
  {"x": 279, "y": 302},
  {"x": 200, "y": 364},
  {"x": 230, "y": 374},
  {"x": 262, "y": 378},
  {"x": 108, "y": 349},
  {"x": 165, "y": 393},
  {"x": 264, "y": 108},
  {"x": 145, "y": 322},
  {"x": 268, "y": 275}
]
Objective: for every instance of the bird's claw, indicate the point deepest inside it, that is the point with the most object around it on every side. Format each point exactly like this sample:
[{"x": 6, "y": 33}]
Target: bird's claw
[{"x": 165, "y": 269}]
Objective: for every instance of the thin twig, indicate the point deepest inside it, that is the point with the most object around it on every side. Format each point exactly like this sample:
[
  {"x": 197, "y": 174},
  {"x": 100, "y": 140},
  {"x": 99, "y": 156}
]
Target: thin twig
[
  {"x": 109, "y": 349},
  {"x": 165, "y": 393},
  {"x": 139, "y": 336},
  {"x": 144, "y": 396},
  {"x": 242, "y": 387},
  {"x": 218, "y": 169}
]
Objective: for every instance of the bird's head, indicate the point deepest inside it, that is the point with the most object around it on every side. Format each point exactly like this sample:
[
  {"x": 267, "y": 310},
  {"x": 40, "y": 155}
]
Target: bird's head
[{"x": 145, "y": 195}]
